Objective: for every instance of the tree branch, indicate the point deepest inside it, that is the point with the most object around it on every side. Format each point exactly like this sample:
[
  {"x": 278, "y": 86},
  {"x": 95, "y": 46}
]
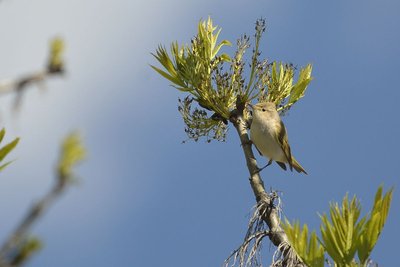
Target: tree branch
[
  {"x": 19, "y": 246},
  {"x": 54, "y": 66},
  {"x": 10, "y": 249},
  {"x": 20, "y": 85},
  {"x": 265, "y": 202}
]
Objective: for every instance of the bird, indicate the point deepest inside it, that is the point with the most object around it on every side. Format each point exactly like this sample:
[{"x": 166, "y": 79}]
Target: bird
[{"x": 268, "y": 134}]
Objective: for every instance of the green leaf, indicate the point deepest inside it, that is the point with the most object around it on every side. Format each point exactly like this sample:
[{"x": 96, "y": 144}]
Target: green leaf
[
  {"x": 3, "y": 166},
  {"x": 307, "y": 248},
  {"x": 4, "y": 151},
  {"x": 56, "y": 61},
  {"x": 172, "y": 79},
  {"x": 374, "y": 224},
  {"x": 281, "y": 82},
  {"x": 7, "y": 148},
  {"x": 329, "y": 240},
  {"x": 163, "y": 57},
  {"x": 2, "y": 133},
  {"x": 341, "y": 235},
  {"x": 298, "y": 90},
  {"x": 72, "y": 153},
  {"x": 225, "y": 57}
]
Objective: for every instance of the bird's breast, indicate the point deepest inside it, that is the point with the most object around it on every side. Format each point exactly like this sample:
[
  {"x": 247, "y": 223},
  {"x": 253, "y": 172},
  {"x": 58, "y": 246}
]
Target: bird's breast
[{"x": 263, "y": 136}]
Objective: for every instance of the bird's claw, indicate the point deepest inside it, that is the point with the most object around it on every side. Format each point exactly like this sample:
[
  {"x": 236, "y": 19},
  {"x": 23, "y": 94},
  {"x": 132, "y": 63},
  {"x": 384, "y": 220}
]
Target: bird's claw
[{"x": 260, "y": 169}]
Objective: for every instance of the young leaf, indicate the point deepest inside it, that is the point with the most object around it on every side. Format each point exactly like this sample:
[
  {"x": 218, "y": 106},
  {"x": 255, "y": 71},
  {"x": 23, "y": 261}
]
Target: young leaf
[
  {"x": 56, "y": 61},
  {"x": 2, "y": 133},
  {"x": 298, "y": 90},
  {"x": 72, "y": 153},
  {"x": 374, "y": 224},
  {"x": 340, "y": 237},
  {"x": 5, "y": 150},
  {"x": 308, "y": 249}
]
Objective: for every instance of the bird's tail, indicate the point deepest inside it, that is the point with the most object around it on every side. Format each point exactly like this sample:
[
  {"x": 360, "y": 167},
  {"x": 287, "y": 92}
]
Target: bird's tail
[{"x": 297, "y": 166}]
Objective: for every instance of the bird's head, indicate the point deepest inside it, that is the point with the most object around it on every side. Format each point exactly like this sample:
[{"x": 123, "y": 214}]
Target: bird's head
[{"x": 263, "y": 109}]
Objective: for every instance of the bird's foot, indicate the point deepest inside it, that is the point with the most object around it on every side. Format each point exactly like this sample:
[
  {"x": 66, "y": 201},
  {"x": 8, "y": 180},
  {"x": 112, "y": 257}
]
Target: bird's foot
[{"x": 260, "y": 169}]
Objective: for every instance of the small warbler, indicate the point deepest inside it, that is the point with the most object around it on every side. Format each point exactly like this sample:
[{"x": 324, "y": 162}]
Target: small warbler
[{"x": 268, "y": 134}]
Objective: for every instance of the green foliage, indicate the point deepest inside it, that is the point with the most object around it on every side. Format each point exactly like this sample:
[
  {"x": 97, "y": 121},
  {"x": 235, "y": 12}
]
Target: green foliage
[
  {"x": 282, "y": 91},
  {"x": 340, "y": 235},
  {"x": 5, "y": 150},
  {"x": 191, "y": 68},
  {"x": 215, "y": 81},
  {"x": 343, "y": 234},
  {"x": 196, "y": 69},
  {"x": 374, "y": 224},
  {"x": 72, "y": 153},
  {"x": 56, "y": 61},
  {"x": 308, "y": 248}
]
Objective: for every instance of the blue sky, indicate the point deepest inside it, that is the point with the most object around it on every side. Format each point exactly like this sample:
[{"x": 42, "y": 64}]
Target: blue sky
[{"x": 144, "y": 198}]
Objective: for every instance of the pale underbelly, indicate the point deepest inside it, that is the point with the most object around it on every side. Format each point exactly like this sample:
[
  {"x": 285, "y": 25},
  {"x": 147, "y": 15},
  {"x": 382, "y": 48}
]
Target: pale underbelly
[{"x": 267, "y": 145}]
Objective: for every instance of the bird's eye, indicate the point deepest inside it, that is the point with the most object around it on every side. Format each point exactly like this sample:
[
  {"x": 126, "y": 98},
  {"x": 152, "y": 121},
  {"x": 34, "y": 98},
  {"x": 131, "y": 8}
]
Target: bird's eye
[{"x": 263, "y": 109}]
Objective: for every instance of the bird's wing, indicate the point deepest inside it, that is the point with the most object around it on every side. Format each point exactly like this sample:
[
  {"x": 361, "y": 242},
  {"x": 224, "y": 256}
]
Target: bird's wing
[
  {"x": 282, "y": 139},
  {"x": 281, "y": 164}
]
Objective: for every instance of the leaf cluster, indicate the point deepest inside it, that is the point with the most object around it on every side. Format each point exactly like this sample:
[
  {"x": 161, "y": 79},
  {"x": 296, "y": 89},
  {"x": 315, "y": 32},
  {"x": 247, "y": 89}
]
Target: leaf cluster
[
  {"x": 343, "y": 234},
  {"x": 373, "y": 226},
  {"x": 282, "y": 90},
  {"x": 215, "y": 81},
  {"x": 308, "y": 248}
]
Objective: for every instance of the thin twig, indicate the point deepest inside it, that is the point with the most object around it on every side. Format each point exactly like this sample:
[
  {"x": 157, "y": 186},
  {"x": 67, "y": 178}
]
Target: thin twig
[
  {"x": 14, "y": 241},
  {"x": 20, "y": 85}
]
